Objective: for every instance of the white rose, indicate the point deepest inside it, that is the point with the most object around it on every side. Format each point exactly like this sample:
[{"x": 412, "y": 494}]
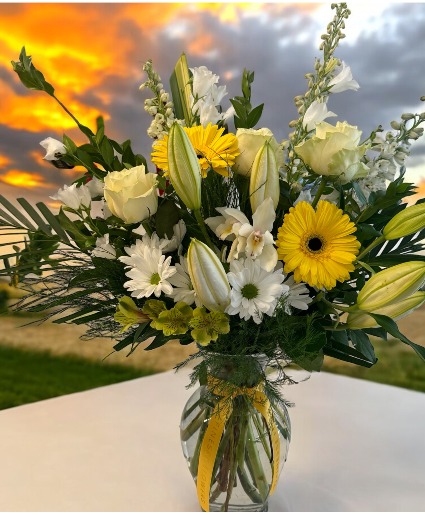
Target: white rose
[
  {"x": 73, "y": 196},
  {"x": 54, "y": 149},
  {"x": 131, "y": 194},
  {"x": 249, "y": 142},
  {"x": 335, "y": 151}
]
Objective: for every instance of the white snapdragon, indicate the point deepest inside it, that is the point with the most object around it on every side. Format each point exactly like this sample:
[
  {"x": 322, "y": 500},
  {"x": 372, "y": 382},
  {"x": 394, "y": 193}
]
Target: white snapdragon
[
  {"x": 96, "y": 187},
  {"x": 54, "y": 149},
  {"x": 316, "y": 113},
  {"x": 104, "y": 249},
  {"x": 207, "y": 96},
  {"x": 343, "y": 80},
  {"x": 74, "y": 196}
]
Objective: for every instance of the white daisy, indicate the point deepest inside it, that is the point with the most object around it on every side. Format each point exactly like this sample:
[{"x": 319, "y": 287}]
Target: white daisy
[
  {"x": 254, "y": 290},
  {"x": 183, "y": 289},
  {"x": 297, "y": 296},
  {"x": 149, "y": 271}
]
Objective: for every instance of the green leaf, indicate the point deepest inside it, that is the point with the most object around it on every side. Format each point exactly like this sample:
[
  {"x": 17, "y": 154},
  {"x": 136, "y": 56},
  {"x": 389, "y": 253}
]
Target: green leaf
[
  {"x": 391, "y": 327},
  {"x": 240, "y": 110},
  {"x": 16, "y": 213},
  {"x": 35, "y": 216},
  {"x": 29, "y": 75},
  {"x": 72, "y": 229},
  {"x": 167, "y": 215},
  {"x": 254, "y": 116},
  {"x": 52, "y": 220},
  {"x": 70, "y": 146},
  {"x": 362, "y": 343},
  {"x": 107, "y": 151}
]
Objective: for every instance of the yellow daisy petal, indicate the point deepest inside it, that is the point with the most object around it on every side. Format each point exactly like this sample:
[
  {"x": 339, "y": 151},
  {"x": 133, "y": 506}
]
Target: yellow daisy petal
[{"x": 214, "y": 151}]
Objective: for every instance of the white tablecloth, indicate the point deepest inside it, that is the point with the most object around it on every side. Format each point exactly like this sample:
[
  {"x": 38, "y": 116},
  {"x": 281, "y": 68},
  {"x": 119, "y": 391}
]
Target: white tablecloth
[{"x": 356, "y": 446}]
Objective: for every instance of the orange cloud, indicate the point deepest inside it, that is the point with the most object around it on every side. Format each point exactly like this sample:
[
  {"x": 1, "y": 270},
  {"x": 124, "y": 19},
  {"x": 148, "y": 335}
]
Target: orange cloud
[
  {"x": 4, "y": 161},
  {"x": 25, "y": 180},
  {"x": 420, "y": 192}
]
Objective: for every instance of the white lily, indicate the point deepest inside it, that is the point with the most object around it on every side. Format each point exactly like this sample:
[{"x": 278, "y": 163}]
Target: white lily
[
  {"x": 259, "y": 240},
  {"x": 316, "y": 113},
  {"x": 74, "y": 196},
  {"x": 255, "y": 240}
]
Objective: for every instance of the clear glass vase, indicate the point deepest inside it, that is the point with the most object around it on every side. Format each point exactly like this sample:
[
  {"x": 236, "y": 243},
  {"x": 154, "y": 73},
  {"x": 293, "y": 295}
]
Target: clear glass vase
[{"x": 240, "y": 433}]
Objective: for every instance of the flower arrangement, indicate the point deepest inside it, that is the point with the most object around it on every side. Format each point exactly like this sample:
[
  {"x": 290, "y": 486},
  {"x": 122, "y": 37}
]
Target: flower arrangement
[{"x": 247, "y": 246}]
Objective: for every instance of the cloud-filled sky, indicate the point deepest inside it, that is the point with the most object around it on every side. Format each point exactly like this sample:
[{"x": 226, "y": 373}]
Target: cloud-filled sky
[{"x": 93, "y": 55}]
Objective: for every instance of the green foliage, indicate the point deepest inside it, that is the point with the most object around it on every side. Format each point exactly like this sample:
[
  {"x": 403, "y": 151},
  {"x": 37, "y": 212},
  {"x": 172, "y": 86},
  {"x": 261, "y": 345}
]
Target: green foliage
[
  {"x": 396, "y": 366},
  {"x": 29, "y": 75},
  {"x": 246, "y": 117},
  {"x": 42, "y": 375}
]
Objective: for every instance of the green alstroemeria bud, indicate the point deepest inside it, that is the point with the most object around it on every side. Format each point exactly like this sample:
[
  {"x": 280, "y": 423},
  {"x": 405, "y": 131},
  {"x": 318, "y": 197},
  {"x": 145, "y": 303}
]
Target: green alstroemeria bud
[
  {"x": 408, "y": 221},
  {"x": 395, "y": 311},
  {"x": 391, "y": 285},
  {"x": 264, "y": 179},
  {"x": 208, "y": 277},
  {"x": 129, "y": 314},
  {"x": 183, "y": 167}
]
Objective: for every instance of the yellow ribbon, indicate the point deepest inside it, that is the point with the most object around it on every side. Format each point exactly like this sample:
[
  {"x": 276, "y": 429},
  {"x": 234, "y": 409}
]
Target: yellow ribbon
[{"x": 214, "y": 432}]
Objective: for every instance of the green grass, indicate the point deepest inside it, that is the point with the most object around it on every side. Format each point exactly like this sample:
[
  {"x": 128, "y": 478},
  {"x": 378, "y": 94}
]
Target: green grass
[
  {"x": 397, "y": 365},
  {"x": 28, "y": 376}
]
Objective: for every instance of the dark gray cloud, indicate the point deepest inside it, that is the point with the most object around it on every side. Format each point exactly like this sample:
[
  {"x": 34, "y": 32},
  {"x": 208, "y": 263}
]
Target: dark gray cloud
[{"x": 388, "y": 61}]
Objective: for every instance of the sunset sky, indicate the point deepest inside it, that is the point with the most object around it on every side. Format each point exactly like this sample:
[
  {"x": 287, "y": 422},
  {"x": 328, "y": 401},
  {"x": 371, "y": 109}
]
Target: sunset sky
[{"x": 93, "y": 55}]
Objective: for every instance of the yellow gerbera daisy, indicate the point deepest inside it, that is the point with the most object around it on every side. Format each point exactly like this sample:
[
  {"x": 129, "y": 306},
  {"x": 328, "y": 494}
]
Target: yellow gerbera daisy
[
  {"x": 212, "y": 148},
  {"x": 318, "y": 246}
]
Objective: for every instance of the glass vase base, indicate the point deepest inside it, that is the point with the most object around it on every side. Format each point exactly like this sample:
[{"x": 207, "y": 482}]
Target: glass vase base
[{"x": 240, "y": 508}]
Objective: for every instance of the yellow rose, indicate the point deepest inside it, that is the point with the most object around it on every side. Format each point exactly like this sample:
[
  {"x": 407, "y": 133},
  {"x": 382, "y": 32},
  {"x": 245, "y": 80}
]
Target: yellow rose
[
  {"x": 131, "y": 194},
  {"x": 335, "y": 151}
]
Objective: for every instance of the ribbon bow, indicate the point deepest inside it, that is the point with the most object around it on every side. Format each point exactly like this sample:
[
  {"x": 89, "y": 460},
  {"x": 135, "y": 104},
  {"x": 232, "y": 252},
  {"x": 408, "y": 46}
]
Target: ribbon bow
[{"x": 214, "y": 432}]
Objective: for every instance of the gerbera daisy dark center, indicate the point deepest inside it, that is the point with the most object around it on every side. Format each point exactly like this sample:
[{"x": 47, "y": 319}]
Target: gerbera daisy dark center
[{"x": 315, "y": 244}]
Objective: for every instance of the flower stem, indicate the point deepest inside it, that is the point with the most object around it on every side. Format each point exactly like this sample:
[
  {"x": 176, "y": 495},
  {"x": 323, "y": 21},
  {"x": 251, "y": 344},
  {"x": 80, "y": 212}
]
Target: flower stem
[
  {"x": 378, "y": 241},
  {"x": 195, "y": 460},
  {"x": 203, "y": 228},
  {"x": 255, "y": 461},
  {"x": 319, "y": 192}
]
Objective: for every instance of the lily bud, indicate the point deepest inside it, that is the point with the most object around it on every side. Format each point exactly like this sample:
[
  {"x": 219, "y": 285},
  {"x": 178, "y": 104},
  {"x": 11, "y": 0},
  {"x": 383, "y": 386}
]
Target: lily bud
[
  {"x": 208, "y": 277},
  {"x": 391, "y": 285},
  {"x": 395, "y": 311},
  {"x": 184, "y": 169},
  {"x": 408, "y": 221},
  {"x": 264, "y": 180}
]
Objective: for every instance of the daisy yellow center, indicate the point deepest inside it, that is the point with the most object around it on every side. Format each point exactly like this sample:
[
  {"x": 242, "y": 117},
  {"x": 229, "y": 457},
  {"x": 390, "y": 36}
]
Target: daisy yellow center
[
  {"x": 317, "y": 246},
  {"x": 215, "y": 150},
  {"x": 249, "y": 291},
  {"x": 155, "y": 278}
]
